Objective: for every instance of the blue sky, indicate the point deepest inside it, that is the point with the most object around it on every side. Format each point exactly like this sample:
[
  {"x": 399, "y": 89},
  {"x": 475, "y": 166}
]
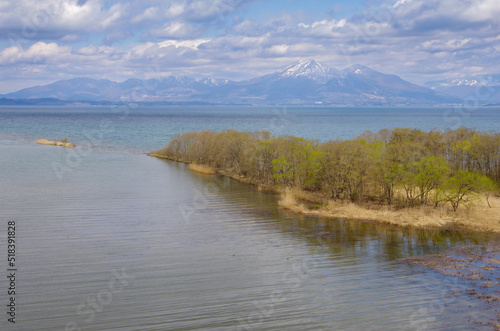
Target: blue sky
[{"x": 420, "y": 40}]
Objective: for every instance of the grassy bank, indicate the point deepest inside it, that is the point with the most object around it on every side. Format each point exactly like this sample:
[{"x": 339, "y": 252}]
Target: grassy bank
[
  {"x": 477, "y": 217},
  {"x": 401, "y": 176}
]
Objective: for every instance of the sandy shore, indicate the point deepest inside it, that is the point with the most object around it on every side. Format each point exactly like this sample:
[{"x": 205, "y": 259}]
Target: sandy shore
[{"x": 54, "y": 143}]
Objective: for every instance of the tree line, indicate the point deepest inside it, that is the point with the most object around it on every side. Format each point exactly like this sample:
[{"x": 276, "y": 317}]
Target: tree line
[{"x": 394, "y": 166}]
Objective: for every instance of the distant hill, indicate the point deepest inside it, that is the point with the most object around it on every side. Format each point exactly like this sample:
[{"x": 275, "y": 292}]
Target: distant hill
[{"x": 301, "y": 83}]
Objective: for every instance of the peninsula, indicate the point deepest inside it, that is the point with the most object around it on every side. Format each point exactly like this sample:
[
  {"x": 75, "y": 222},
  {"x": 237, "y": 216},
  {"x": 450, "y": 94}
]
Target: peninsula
[{"x": 408, "y": 177}]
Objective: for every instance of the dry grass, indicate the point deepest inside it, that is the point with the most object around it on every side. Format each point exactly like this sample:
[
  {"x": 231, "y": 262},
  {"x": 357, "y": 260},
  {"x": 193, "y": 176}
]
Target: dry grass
[
  {"x": 478, "y": 217},
  {"x": 204, "y": 169},
  {"x": 483, "y": 216},
  {"x": 314, "y": 197},
  {"x": 288, "y": 200}
]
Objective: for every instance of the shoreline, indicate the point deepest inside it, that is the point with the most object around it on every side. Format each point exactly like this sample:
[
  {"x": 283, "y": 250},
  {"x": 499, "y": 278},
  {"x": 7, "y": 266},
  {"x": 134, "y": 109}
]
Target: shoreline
[{"x": 472, "y": 218}]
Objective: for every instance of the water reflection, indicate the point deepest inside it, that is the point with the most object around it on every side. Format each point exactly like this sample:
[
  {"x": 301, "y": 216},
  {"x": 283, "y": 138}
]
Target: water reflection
[
  {"x": 349, "y": 237},
  {"x": 355, "y": 281},
  {"x": 220, "y": 268}
]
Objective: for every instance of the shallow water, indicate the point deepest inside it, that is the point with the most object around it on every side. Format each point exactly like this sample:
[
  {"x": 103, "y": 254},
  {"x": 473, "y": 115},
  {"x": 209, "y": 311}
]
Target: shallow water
[{"x": 110, "y": 239}]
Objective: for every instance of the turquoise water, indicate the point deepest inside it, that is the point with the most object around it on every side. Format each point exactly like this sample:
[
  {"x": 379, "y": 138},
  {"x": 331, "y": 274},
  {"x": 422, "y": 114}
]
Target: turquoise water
[{"x": 110, "y": 239}]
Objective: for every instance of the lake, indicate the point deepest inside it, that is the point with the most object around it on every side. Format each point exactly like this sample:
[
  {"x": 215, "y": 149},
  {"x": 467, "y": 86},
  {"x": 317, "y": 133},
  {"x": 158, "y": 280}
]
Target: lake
[{"x": 108, "y": 238}]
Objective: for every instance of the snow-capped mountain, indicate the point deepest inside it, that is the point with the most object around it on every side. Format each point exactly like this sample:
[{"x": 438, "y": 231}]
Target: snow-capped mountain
[
  {"x": 306, "y": 69},
  {"x": 483, "y": 80},
  {"x": 365, "y": 80},
  {"x": 305, "y": 82},
  {"x": 214, "y": 81},
  {"x": 485, "y": 88}
]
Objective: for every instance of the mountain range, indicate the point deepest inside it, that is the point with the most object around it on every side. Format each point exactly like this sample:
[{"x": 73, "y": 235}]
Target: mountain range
[
  {"x": 306, "y": 82},
  {"x": 484, "y": 88}
]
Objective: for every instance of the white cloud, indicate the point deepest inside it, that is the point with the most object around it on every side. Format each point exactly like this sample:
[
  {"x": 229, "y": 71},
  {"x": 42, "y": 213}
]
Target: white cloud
[
  {"x": 210, "y": 9},
  {"x": 38, "y": 53},
  {"x": 57, "y": 18},
  {"x": 482, "y": 10},
  {"x": 70, "y": 38},
  {"x": 446, "y": 45},
  {"x": 192, "y": 44},
  {"x": 176, "y": 30},
  {"x": 149, "y": 14},
  {"x": 175, "y": 10},
  {"x": 113, "y": 16},
  {"x": 277, "y": 50},
  {"x": 328, "y": 24},
  {"x": 323, "y": 28},
  {"x": 4, "y": 4},
  {"x": 400, "y": 2},
  {"x": 187, "y": 10},
  {"x": 95, "y": 50},
  {"x": 10, "y": 55},
  {"x": 445, "y": 14}
]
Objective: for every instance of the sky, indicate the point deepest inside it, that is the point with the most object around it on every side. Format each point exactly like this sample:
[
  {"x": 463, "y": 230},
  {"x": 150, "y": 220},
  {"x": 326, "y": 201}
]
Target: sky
[{"x": 42, "y": 41}]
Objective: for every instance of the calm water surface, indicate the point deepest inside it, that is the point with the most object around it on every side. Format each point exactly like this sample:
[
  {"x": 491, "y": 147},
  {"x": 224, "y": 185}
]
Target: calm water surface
[{"x": 110, "y": 239}]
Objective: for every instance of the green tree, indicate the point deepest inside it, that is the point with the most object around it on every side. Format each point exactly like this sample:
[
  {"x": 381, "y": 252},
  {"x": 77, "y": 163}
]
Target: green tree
[
  {"x": 282, "y": 171},
  {"x": 430, "y": 173},
  {"x": 459, "y": 188},
  {"x": 486, "y": 186},
  {"x": 314, "y": 168}
]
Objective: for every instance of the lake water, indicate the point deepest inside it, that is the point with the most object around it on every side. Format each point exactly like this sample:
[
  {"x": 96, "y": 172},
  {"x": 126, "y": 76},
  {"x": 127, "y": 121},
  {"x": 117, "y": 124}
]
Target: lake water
[{"x": 110, "y": 239}]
